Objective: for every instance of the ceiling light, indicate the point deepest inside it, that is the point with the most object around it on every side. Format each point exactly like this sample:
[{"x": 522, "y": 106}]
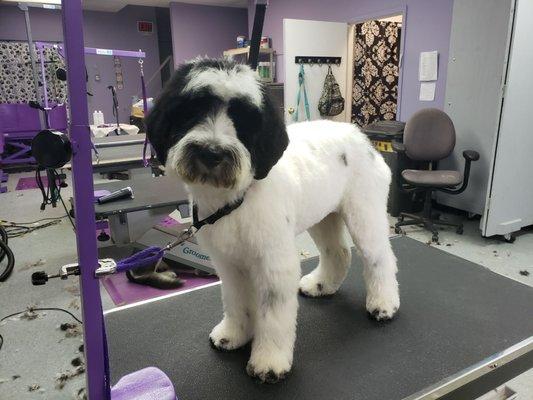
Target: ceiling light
[{"x": 37, "y": 3}]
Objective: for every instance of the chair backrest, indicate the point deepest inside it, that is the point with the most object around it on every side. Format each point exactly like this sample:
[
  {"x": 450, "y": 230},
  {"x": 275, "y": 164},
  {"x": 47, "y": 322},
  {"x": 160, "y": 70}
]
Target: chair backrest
[{"x": 429, "y": 135}]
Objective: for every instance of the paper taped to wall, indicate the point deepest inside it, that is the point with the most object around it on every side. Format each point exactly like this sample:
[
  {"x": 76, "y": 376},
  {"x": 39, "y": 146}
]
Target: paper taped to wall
[
  {"x": 427, "y": 91},
  {"x": 428, "y": 65}
]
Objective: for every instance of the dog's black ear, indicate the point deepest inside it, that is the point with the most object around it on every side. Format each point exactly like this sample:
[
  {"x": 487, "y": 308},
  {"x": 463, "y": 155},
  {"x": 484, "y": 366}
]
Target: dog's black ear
[
  {"x": 160, "y": 119},
  {"x": 175, "y": 113},
  {"x": 261, "y": 130},
  {"x": 157, "y": 130}
]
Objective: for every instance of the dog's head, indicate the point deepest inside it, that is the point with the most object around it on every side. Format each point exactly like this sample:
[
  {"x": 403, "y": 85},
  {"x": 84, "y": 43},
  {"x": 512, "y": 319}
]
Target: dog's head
[{"x": 213, "y": 124}]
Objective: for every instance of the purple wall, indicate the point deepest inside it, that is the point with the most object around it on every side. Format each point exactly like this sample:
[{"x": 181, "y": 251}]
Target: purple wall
[
  {"x": 427, "y": 27},
  {"x": 199, "y": 30},
  {"x": 101, "y": 29}
]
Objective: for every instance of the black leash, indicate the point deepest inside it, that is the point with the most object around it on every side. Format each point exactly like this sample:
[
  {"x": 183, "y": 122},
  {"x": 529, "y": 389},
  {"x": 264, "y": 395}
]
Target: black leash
[
  {"x": 197, "y": 224},
  {"x": 221, "y": 212}
]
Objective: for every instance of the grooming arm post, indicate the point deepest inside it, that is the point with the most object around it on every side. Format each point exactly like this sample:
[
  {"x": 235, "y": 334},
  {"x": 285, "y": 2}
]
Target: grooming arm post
[
  {"x": 97, "y": 378},
  {"x": 31, "y": 51},
  {"x": 257, "y": 30}
]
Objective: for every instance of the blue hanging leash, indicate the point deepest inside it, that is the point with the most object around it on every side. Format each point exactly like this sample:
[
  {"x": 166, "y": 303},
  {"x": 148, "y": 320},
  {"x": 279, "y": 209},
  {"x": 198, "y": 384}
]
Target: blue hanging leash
[{"x": 301, "y": 88}]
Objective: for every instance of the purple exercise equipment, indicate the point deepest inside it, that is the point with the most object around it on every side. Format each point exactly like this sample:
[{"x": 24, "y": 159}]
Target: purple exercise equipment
[
  {"x": 3, "y": 177},
  {"x": 19, "y": 123}
]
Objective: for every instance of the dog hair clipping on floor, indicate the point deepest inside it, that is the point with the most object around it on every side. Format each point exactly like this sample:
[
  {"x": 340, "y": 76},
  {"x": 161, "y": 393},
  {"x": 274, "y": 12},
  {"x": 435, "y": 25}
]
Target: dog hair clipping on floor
[
  {"x": 63, "y": 377},
  {"x": 29, "y": 314},
  {"x": 81, "y": 394},
  {"x": 76, "y": 362},
  {"x": 67, "y": 325},
  {"x": 524, "y": 272},
  {"x": 34, "y": 387}
]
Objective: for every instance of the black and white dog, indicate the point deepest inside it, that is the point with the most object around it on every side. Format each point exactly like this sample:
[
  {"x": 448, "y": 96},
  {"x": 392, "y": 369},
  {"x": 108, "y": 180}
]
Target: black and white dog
[{"x": 215, "y": 129}]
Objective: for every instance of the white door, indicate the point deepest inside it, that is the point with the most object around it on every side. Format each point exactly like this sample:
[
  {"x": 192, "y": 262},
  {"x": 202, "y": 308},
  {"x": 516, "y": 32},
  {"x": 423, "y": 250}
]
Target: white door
[
  {"x": 510, "y": 196},
  {"x": 313, "y": 38}
]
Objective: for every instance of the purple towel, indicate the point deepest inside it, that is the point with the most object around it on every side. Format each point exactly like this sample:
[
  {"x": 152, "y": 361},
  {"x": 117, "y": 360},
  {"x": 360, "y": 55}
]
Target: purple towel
[{"x": 147, "y": 384}]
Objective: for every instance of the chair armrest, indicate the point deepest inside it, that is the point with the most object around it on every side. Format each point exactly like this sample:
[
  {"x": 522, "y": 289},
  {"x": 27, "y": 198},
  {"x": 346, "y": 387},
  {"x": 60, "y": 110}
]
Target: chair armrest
[
  {"x": 471, "y": 155},
  {"x": 399, "y": 147}
]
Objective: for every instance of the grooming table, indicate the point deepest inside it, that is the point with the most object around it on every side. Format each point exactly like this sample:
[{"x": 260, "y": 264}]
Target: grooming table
[
  {"x": 103, "y": 131},
  {"x": 187, "y": 253},
  {"x": 129, "y": 219},
  {"x": 117, "y": 153},
  {"x": 461, "y": 331}
]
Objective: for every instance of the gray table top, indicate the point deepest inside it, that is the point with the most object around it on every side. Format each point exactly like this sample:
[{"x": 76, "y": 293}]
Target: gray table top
[
  {"x": 454, "y": 314},
  {"x": 149, "y": 193}
]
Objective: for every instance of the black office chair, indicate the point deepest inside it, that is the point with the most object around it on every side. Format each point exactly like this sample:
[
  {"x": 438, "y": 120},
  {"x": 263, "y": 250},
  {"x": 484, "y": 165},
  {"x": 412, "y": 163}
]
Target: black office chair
[{"x": 429, "y": 136}]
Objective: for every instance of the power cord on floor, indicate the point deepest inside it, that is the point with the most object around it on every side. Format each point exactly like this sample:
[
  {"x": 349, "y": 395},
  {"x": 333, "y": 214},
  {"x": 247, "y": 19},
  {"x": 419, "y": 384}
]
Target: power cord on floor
[
  {"x": 32, "y": 310},
  {"x": 5, "y": 251},
  {"x": 52, "y": 193},
  {"x": 68, "y": 214},
  {"x": 33, "y": 222},
  {"x": 15, "y": 229}
]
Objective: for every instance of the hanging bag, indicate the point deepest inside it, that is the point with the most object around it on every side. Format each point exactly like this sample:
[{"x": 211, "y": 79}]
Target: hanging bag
[
  {"x": 331, "y": 102},
  {"x": 301, "y": 88}
]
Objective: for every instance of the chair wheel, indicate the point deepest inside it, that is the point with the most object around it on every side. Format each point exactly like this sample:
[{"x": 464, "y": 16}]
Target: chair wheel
[
  {"x": 103, "y": 236},
  {"x": 398, "y": 230},
  {"x": 400, "y": 218},
  {"x": 459, "y": 230},
  {"x": 509, "y": 238},
  {"x": 435, "y": 238}
]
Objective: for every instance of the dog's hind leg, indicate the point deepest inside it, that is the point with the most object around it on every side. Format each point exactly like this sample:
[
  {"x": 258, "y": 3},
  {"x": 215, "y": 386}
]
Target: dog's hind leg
[
  {"x": 365, "y": 214},
  {"x": 236, "y": 328},
  {"x": 335, "y": 258}
]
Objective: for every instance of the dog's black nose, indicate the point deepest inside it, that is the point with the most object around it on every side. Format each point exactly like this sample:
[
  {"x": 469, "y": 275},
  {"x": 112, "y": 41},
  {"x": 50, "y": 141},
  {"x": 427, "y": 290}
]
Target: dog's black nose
[{"x": 210, "y": 156}]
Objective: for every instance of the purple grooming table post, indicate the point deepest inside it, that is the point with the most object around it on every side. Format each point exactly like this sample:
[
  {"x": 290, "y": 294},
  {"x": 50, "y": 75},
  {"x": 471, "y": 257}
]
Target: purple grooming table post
[
  {"x": 144, "y": 384},
  {"x": 97, "y": 374}
]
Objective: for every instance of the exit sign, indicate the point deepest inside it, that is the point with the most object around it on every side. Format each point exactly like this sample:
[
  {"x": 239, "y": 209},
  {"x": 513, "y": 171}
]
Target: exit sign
[{"x": 145, "y": 27}]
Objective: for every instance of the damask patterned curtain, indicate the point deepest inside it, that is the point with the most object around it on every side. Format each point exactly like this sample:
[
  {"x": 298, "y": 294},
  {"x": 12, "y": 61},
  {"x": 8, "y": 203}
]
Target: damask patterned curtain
[
  {"x": 16, "y": 80},
  {"x": 375, "y": 72}
]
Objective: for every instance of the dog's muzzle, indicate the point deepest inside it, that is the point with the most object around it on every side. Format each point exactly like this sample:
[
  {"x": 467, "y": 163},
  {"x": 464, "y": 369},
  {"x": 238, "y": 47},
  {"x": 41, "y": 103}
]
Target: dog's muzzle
[
  {"x": 211, "y": 156},
  {"x": 209, "y": 163}
]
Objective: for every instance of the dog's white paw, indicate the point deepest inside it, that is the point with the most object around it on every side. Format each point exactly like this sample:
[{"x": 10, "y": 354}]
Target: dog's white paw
[
  {"x": 269, "y": 366},
  {"x": 228, "y": 335},
  {"x": 315, "y": 285},
  {"x": 384, "y": 304}
]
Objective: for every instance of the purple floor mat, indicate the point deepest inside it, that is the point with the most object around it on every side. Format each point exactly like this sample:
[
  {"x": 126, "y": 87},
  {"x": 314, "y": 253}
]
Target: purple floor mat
[
  {"x": 124, "y": 292},
  {"x": 29, "y": 183}
]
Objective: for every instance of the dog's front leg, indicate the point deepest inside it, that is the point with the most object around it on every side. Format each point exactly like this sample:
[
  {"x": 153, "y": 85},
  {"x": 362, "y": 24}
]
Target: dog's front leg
[
  {"x": 276, "y": 283},
  {"x": 236, "y": 328}
]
